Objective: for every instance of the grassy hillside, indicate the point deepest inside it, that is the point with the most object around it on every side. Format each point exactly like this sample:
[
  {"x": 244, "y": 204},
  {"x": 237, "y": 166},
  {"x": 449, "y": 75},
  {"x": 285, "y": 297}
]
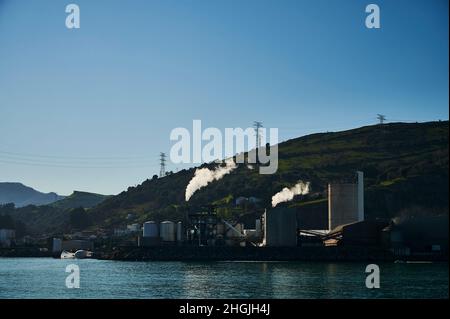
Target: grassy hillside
[
  {"x": 55, "y": 217},
  {"x": 80, "y": 199},
  {"x": 405, "y": 165}
]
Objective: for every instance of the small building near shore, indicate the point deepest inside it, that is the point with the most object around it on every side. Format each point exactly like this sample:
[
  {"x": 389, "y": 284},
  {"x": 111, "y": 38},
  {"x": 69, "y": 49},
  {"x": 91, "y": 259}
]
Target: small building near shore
[{"x": 7, "y": 237}]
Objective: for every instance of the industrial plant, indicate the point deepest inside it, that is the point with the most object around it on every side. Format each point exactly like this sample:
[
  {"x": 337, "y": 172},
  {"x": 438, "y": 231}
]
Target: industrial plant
[
  {"x": 274, "y": 227},
  {"x": 338, "y": 230}
]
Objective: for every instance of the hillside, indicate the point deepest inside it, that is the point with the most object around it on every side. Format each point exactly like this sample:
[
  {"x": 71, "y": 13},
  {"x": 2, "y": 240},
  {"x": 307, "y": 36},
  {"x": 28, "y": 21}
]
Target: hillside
[
  {"x": 55, "y": 217},
  {"x": 405, "y": 166},
  {"x": 22, "y": 195},
  {"x": 80, "y": 199}
]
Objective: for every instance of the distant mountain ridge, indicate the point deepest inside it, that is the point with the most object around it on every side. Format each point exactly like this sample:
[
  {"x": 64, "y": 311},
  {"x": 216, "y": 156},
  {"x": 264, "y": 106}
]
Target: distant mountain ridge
[{"x": 22, "y": 195}]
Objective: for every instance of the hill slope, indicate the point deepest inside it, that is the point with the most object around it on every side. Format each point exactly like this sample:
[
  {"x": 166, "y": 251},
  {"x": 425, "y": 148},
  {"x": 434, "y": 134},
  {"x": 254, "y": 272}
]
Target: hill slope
[
  {"x": 80, "y": 199},
  {"x": 405, "y": 166},
  {"x": 22, "y": 195}
]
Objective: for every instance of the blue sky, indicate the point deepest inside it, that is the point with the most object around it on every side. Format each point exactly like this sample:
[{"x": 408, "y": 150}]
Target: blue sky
[{"x": 90, "y": 109}]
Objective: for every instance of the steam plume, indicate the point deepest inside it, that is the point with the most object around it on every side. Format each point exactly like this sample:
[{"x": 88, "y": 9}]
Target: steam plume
[
  {"x": 287, "y": 194},
  {"x": 204, "y": 176}
]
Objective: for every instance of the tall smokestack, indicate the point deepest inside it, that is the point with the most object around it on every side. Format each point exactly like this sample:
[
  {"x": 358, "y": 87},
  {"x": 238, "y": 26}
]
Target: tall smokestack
[{"x": 360, "y": 195}]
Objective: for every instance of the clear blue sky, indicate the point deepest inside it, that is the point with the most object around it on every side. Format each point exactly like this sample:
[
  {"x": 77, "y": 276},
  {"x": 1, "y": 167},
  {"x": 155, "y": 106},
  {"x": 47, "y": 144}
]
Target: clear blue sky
[{"x": 91, "y": 109}]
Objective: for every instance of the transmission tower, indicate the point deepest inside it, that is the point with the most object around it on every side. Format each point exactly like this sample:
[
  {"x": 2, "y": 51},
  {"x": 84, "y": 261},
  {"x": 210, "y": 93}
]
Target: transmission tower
[
  {"x": 257, "y": 125},
  {"x": 162, "y": 159},
  {"x": 381, "y": 118}
]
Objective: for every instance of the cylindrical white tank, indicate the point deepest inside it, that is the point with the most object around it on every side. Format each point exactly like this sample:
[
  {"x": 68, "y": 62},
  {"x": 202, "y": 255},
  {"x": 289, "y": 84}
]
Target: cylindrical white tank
[
  {"x": 150, "y": 229},
  {"x": 167, "y": 231},
  {"x": 57, "y": 245},
  {"x": 180, "y": 234}
]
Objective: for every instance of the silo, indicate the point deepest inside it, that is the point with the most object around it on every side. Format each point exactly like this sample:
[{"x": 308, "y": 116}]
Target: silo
[
  {"x": 167, "y": 231},
  {"x": 150, "y": 229},
  {"x": 342, "y": 204}
]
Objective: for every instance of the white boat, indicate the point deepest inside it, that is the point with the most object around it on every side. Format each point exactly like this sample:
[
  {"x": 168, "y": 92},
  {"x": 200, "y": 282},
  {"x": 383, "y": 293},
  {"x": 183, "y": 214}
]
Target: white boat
[
  {"x": 81, "y": 254},
  {"x": 67, "y": 255}
]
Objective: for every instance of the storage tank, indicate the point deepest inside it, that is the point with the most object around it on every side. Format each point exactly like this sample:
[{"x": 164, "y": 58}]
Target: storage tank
[
  {"x": 167, "y": 231},
  {"x": 150, "y": 229}
]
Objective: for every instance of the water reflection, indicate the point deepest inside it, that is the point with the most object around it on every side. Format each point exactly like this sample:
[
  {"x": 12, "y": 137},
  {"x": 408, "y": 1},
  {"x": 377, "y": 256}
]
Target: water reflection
[{"x": 45, "y": 278}]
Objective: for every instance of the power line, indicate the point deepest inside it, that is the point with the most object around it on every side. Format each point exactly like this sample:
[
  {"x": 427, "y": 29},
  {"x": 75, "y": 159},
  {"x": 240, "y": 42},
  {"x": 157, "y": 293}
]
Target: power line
[
  {"x": 381, "y": 118},
  {"x": 75, "y": 157},
  {"x": 57, "y": 165},
  {"x": 257, "y": 125},
  {"x": 80, "y": 162},
  {"x": 162, "y": 159}
]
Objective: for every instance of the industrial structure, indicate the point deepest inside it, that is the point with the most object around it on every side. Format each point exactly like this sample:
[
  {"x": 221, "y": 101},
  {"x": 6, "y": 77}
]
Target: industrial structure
[
  {"x": 162, "y": 162},
  {"x": 280, "y": 227},
  {"x": 346, "y": 202},
  {"x": 275, "y": 227}
]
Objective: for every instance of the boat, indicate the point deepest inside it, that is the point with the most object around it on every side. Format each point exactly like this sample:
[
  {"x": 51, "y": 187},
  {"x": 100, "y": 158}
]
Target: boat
[
  {"x": 67, "y": 255},
  {"x": 81, "y": 254}
]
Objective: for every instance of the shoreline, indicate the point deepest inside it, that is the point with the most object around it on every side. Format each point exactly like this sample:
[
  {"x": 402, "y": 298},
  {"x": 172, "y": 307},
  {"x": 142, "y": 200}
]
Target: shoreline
[
  {"x": 312, "y": 254},
  {"x": 243, "y": 254}
]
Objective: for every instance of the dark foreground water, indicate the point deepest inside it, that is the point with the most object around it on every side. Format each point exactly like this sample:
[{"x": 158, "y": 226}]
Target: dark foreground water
[{"x": 46, "y": 278}]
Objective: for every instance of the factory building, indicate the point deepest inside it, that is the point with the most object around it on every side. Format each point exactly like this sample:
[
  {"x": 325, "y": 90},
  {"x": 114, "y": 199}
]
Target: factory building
[
  {"x": 280, "y": 227},
  {"x": 362, "y": 233},
  {"x": 313, "y": 215},
  {"x": 345, "y": 202},
  {"x": 420, "y": 236}
]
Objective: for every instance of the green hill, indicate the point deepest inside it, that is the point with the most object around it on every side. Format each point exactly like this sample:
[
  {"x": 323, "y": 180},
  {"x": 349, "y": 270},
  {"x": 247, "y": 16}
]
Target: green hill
[
  {"x": 80, "y": 199},
  {"x": 52, "y": 218},
  {"x": 405, "y": 166}
]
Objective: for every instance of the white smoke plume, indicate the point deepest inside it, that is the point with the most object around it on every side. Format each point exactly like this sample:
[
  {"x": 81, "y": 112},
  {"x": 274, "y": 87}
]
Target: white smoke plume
[
  {"x": 204, "y": 176},
  {"x": 287, "y": 194}
]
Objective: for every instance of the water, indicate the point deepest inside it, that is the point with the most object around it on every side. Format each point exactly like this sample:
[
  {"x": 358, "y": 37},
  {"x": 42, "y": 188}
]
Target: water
[{"x": 45, "y": 278}]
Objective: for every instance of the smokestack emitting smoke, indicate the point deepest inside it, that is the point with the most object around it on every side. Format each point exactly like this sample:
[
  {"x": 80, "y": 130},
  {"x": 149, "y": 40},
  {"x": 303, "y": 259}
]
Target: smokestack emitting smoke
[
  {"x": 287, "y": 194},
  {"x": 204, "y": 176}
]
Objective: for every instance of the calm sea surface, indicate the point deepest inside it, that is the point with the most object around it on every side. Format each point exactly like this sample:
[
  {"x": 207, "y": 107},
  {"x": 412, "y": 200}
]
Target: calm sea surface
[{"x": 45, "y": 278}]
